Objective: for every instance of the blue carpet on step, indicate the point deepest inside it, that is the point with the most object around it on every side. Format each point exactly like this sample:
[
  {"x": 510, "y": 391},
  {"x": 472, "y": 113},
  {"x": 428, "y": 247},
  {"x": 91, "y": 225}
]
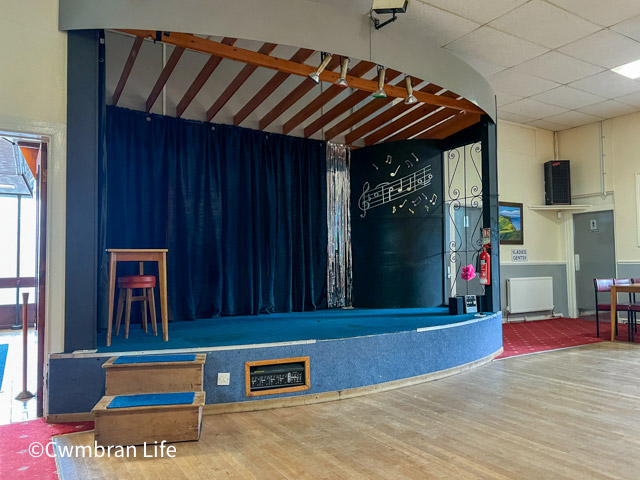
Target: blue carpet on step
[
  {"x": 282, "y": 327},
  {"x": 152, "y": 399},
  {"x": 4, "y": 349},
  {"x": 153, "y": 359}
]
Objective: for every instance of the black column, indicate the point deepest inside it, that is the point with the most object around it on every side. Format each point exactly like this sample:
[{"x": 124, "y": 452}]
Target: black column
[
  {"x": 84, "y": 74},
  {"x": 490, "y": 208}
]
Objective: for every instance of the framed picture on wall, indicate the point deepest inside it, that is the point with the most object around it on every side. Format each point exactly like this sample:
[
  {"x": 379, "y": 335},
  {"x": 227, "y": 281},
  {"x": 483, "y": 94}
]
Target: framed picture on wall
[{"x": 511, "y": 223}]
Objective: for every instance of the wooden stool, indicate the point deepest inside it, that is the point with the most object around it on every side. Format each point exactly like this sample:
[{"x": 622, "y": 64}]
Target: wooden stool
[{"x": 126, "y": 285}]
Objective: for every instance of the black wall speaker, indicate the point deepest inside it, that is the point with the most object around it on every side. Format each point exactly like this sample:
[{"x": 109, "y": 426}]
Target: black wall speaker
[{"x": 557, "y": 183}]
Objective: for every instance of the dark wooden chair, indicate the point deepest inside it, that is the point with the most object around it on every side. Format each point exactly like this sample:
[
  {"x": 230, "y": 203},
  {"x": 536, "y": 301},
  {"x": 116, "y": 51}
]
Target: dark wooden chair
[
  {"x": 126, "y": 285},
  {"x": 602, "y": 285}
]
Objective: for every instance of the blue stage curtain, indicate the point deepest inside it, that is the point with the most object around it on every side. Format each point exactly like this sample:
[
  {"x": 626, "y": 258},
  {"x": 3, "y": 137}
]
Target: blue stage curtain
[{"x": 242, "y": 212}]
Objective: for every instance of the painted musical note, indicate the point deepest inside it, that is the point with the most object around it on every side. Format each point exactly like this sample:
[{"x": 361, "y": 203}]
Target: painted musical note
[
  {"x": 389, "y": 159},
  {"x": 393, "y": 174},
  {"x": 409, "y": 187},
  {"x": 364, "y": 201},
  {"x": 426, "y": 207},
  {"x": 433, "y": 199},
  {"x": 412, "y": 212},
  {"x": 394, "y": 210},
  {"x": 414, "y": 156},
  {"x": 425, "y": 196},
  {"x": 402, "y": 204},
  {"x": 375, "y": 166},
  {"x": 390, "y": 190},
  {"x": 417, "y": 201},
  {"x": 409, "y": 164}
]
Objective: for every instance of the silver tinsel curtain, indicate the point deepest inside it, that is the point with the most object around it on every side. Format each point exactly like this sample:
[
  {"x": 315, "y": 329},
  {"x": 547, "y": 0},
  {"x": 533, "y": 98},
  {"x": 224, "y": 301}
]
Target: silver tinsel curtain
[{"x": 339, "y": 279}]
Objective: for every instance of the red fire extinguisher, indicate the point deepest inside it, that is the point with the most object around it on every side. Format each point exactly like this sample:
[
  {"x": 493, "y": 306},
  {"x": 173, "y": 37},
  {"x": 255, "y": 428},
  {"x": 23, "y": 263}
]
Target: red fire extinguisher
[{"x": 485, "y": 266}]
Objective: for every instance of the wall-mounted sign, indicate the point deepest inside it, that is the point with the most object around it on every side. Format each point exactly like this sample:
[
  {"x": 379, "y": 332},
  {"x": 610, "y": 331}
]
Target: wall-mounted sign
[{"x": 519, "y": 255}]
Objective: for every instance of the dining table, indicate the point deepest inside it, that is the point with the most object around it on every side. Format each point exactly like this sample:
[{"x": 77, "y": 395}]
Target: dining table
[
  {"x": 615, "y": 290},
  {"x": 158, "y": 255}
]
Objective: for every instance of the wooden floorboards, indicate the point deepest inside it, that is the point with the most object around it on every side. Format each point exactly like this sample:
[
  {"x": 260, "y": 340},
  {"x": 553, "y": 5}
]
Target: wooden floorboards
[{"x": 568, "y": 414}]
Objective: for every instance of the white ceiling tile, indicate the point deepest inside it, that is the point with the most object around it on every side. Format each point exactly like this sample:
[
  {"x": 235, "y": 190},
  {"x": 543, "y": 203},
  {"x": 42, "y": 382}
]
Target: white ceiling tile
[
  {"x": 608, "y": 109},
  {"x": 607, "y": 84},
  {"x": 443, "y": 27},
  {"x": 506, "y": 98},
  {"x": 604, "y": 48},
  {"x": 568, "y": 97},
  {"x": 558, "y": 67},
  {"x": 542, "y": 23},
  {"x": 532, "y": 108},
  {"x": 547, "y": 125},
  {"x": 483, "y": 68},
  {"x": 496, "y": 47},
  {"x": 514, "y": 117},
  {"x": 573, "y": 118},
  {"x": 632, "y": 99},
  {"x": 516, "y": 83},
  {"x": 629, "y": 28},
  {"x": 482, "y": 12},
  {"x": 605, "y": 13}
]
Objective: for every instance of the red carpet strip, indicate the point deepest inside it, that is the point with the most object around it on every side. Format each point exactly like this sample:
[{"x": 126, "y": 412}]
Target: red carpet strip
[
  {"x": 17, "y": 463},
  {"x": 543, "y": 335}
]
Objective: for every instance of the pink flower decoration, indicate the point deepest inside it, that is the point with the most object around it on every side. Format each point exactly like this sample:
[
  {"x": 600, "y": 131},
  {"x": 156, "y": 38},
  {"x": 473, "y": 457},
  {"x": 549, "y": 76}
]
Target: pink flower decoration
[{"x": 468, "y": 273}]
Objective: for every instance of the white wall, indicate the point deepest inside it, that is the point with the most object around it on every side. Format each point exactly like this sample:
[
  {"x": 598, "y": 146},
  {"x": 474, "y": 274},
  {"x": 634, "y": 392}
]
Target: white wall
[
  {"x": 621, "y": 147},
  {"x": 33, "y": 99},
  {"x": 522, "y": 151}
]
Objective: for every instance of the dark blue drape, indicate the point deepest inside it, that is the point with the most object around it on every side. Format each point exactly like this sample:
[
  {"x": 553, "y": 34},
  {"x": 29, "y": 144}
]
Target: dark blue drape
[{"x": 242, "y": 212}]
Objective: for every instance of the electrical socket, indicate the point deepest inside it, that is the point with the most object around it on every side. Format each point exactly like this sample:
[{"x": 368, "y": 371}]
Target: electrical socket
[{"x": 223, "y": 378}]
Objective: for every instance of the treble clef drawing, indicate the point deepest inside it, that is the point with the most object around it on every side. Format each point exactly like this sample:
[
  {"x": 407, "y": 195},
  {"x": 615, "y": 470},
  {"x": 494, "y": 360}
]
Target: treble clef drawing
[{"x": 364, "y": 202}]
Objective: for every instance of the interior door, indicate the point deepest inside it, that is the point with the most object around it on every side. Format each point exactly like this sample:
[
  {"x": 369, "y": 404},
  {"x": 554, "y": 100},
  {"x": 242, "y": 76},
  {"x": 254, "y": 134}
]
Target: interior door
[{"x": 594, "y": 250}]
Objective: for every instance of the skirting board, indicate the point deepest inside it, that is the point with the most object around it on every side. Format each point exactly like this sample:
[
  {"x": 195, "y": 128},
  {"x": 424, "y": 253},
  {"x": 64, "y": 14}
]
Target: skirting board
[{"x": 216, "y": 409}]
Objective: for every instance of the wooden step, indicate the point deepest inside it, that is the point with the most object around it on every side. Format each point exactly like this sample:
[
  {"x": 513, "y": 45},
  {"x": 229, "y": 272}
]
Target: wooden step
[
  {"x": 127, "y": 375},
  {"x": 148, "y": 418}
]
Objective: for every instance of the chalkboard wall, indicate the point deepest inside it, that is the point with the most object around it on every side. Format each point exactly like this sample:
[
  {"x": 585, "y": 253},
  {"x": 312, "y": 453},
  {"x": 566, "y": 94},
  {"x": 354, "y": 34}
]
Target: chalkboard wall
[{"x": 396, "y": 225}]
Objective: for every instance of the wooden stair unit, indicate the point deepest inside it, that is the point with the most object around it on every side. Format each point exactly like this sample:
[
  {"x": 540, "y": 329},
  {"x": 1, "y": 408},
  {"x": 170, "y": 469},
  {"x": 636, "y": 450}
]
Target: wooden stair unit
[{"x": 151, "y": 421}]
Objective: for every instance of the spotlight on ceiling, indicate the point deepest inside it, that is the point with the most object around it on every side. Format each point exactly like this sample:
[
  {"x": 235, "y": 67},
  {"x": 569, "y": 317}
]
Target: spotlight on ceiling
[
  {"x": 326, "y": 58},
  {"x": 387, "y": 6},
  {"x": 342, "y": 81},
  {"x": 411, "y": 99},
  {"x": 380, "y": 92}
]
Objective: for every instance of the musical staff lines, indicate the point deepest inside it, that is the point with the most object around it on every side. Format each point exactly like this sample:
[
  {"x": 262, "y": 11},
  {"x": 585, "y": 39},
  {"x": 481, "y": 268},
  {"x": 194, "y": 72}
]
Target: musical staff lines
[{"x": 390, "y": 191}]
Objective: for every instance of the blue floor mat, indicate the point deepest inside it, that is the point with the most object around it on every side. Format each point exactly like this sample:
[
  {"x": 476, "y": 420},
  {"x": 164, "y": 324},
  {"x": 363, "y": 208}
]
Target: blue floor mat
[
  {"x": 4, "y": 349},
  {"x": 152, "y": 399}
]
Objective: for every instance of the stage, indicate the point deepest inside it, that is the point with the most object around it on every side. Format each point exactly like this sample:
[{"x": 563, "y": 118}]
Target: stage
[
  {"x": 281, "y": 327},
  {"x": 351, "y": 352}
]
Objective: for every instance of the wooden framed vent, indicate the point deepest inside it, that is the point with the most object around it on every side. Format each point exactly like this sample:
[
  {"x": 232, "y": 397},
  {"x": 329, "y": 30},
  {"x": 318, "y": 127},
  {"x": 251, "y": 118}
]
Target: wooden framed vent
[{"x": 283, "y": 375}]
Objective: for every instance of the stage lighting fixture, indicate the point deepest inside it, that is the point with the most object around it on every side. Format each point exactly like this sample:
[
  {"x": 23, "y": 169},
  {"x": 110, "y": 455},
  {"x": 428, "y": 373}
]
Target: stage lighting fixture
[
  {"x": 342, "y": 81},
  {"x": 411, "y": 99},
  {"x": 315, "y": 76},
  {"x": 380, "y": 92}
]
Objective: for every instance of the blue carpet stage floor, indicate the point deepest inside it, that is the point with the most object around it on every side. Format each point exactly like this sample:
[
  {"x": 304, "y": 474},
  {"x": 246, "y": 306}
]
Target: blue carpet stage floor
[{"x": 281, "y": 327}]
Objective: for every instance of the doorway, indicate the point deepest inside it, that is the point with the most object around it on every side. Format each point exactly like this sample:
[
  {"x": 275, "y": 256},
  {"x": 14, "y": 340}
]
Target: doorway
[
  {"x": 594, "y": 249},
  {"x": 22, "y": 275}
]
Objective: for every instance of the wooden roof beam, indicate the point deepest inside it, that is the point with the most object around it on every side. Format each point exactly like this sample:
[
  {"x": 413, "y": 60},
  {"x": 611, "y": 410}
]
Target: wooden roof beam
[
  {"x": 164, "y": 76},
  {"x": 237, "y": 82},
  {"x": 349, "y": 102},
  {"x": 247, "y": 56},
  {"x": 399, "y": 123},
  {"x": 278, "y": 79},
  {"x": 317, "y": 103},
  {"x": 202, "y": 77},
  {"x": 451, "y": 126},
  {"x": 386, "y": 116},
  {"x": 128, "y": 66},
  {"x": 300, "y": 91}
]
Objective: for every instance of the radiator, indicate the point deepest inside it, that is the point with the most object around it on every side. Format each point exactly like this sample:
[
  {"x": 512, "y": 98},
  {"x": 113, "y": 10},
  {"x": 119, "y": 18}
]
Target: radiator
[{"x": 529, "y": 294}]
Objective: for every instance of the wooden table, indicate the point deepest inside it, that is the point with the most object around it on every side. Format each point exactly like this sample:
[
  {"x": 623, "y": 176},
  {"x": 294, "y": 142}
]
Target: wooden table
[
  {"x": 615, "y": 289},
  {"x": 140, "y": 255}
]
